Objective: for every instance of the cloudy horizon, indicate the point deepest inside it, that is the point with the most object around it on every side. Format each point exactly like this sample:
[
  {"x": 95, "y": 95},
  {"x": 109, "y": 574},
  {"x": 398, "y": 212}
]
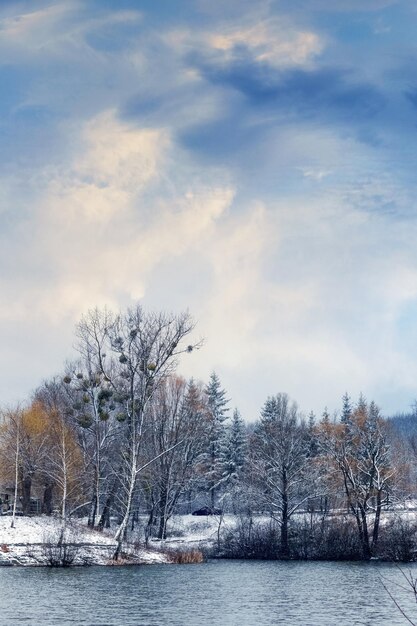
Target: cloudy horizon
[{"x": 253, "y": 163}]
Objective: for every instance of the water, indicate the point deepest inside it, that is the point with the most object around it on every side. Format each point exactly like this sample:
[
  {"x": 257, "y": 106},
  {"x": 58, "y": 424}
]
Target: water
[{"x": 227, "y": 593}]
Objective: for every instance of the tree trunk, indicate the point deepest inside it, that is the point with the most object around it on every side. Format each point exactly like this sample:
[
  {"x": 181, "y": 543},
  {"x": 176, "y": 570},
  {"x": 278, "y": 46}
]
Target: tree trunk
[
  {"x": 149, "y": 525},
  {"x": 16, "y": 477},
  {"x": 26, "y": 491},
  {"x": 93, "y": 512},
  {"x": 120, "y": 535},
  {"x": 104, "y": 521},
  {"x": 213, "y": 476},
  {"x": 162, "y": 515},
  {"x": 47, "y": 500},
  {"x": 285, "y": 550},
  {"x": 375, "y": 533},
  {"x": 366, "y": 547}
]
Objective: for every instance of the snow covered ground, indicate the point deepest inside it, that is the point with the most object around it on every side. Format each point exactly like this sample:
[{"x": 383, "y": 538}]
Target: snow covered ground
[
  {"x": 196, "y": 532},
  {"x": 43, "y": 529},
  {"x": 26, "y": 543},
  {"x": 33, "y": 541}
]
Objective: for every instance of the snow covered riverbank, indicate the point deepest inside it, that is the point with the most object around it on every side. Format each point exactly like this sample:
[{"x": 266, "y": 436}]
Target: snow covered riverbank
[{"x": 36, "y": 541}]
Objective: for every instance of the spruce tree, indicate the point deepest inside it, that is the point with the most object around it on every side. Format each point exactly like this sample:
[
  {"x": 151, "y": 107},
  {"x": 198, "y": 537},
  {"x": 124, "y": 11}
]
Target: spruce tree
[
  {"x": 217, "y": 411},
  {"x": 233, "y": 452},
  {"x": 345, "y": 418},
  {"x": 325, "y": 417}
]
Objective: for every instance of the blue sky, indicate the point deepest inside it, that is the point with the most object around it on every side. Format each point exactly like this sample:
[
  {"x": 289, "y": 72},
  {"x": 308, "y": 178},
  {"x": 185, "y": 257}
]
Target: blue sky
[{"x": 253, "y": 162}]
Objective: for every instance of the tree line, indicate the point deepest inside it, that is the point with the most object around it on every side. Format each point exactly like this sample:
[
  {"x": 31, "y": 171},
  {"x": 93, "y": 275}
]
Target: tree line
[{"x": 119, "y": 436}]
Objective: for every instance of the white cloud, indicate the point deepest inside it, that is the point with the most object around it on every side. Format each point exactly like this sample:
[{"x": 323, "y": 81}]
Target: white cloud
[
  {"x": 55, "y": 30},
  {"x": 294, "y": 292},
  {"x": 302, "y": 293},
  {"x": 271, "y": 41},
  {"x": 315, "y": 174},
  {"x": 93, "y": 227}
]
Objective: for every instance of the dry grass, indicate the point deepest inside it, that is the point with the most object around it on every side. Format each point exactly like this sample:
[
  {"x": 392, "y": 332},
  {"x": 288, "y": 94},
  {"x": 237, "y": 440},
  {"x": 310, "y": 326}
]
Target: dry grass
[{"x": 183, "y": 557}]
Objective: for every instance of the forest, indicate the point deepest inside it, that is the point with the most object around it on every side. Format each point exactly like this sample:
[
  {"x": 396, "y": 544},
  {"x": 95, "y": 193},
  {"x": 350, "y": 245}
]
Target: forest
[{"x": 120, "y": 439}]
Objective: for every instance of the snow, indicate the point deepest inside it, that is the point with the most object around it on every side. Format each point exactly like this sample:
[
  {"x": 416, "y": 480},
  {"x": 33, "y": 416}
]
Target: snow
[
  {"x": 200, "y": 532},
  {"x": 26, "y": 544},
  {"x": 41, "y": 529}
]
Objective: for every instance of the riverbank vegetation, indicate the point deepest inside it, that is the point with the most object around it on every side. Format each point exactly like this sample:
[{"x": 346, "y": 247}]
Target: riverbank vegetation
[{"x": 121, "y": 440}]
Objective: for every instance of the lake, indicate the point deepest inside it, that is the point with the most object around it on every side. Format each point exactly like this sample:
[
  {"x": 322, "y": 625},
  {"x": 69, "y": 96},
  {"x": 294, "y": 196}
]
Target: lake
[{"x": 217, "y": 593}]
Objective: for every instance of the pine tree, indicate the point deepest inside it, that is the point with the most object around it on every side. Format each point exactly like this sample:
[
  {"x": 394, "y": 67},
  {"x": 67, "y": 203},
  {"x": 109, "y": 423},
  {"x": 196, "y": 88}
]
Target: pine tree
[
  {"x": 233, "y": 452},
  {"x": 276, "y": 408},
  {"x": 325, "y": 418},
  {"x": 312, "y": 435},
  {"x": 217, "y": 400},
  {"x": 217, "y": 410},
  {"x": 362, "y": 406},
  {"x": 346, "y": 409}
]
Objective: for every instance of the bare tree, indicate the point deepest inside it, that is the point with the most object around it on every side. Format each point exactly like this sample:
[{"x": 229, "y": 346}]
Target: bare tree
[
  {"x": 94, "y": 411},
  {"x": 134, "y": 351},
  {"x": 23, "y": 447},
  {"x": 10, "y": 450},
  {"x": 63, "y": 464},
  {"x": 358, "y": 455},
  {"x": 178, "y": 422}
]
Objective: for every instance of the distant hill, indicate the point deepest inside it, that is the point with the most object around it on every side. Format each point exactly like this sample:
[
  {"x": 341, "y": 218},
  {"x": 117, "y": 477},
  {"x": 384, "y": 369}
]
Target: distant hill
[{"x": 405, "y": 424}]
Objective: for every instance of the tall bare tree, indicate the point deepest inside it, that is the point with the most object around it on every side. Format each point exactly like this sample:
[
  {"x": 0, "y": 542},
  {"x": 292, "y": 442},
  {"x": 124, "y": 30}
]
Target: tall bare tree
[
  {"x": 178, "y": 422},
  {"x": 134, "y": 351}
]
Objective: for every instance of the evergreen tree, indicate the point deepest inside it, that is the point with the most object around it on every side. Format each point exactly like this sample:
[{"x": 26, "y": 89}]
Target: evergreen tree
[
  {"x": 362, "y": 406},
  {"x": 325, "y": 418},
  {"x": 312, "y": 435},
  {"x": 233, "y": 451},
  {"x": 276, "y": 408},
  {"x": 216, "y": 399},
  {"x": 281, "y": 462},
  {"x": 217, "y": 412},
  {"x": 346, "y": 409}
]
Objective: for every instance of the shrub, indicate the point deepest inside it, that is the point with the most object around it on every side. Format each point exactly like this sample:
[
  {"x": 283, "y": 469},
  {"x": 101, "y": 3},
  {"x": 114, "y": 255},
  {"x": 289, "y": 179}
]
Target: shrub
[
  {"x": 185, "y": 556},
  {"x": 58, "y": 550},
  {"x": 250, "y": 540},
  {"x": 398, "y": 540}
]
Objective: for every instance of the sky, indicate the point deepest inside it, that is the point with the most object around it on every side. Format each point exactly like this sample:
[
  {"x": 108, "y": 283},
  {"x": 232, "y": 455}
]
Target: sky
[{"x": 251, "y": 162}]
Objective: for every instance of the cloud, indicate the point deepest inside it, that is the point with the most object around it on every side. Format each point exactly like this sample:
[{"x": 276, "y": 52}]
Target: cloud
[
  {"x": 317, "y": 92},
  {"x": 316, "y": 174},
  {"x": 237, "y": 162},
  {"x": 91, "y": 228},
  {"x": 340, "y": 6},
  {"x": 269, "y": 41},
  {"x": 58, "y": 29},
  {"x": 99, "y": 231}
]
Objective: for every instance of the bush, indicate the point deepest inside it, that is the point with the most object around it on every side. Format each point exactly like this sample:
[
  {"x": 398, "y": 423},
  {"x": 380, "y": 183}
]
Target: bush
[
  {"x": 398, "y": 540},
  {"x": 185, "y": 556},
  {"x": 58, "y": 550},
  {"x": 327, "y": 538},
  {"x": 335, "y": 538},
  {"x": 250, "y": 540}
]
